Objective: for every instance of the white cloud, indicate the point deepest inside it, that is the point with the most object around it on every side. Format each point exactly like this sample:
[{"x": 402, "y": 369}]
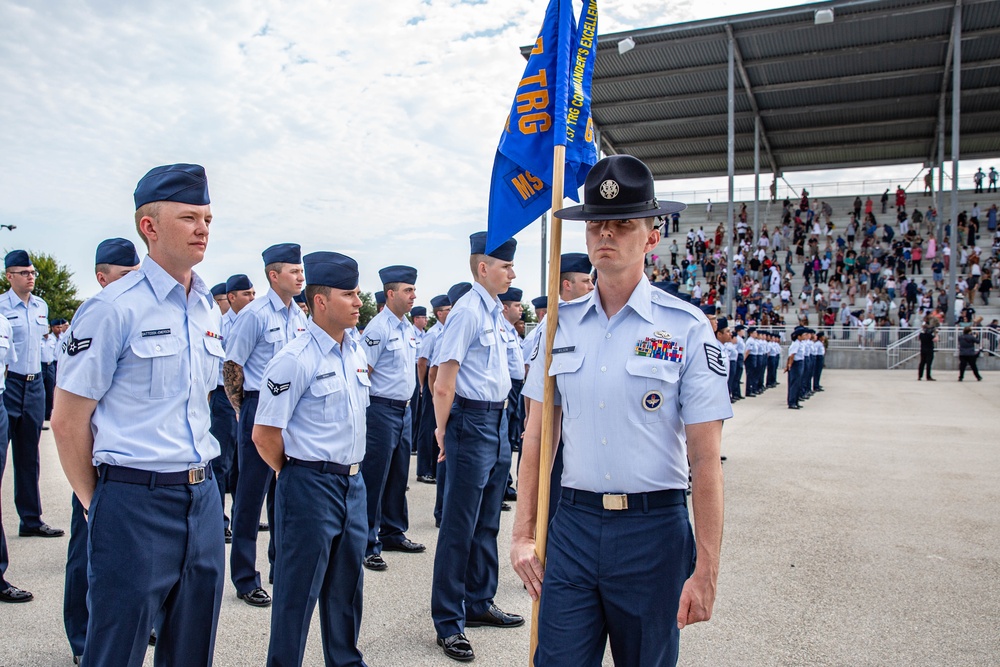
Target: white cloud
[{"x": 362, "y": 127}]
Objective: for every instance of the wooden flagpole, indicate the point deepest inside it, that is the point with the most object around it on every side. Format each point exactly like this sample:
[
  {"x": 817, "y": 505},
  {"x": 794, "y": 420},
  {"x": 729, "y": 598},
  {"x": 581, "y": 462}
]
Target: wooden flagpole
[{"x": 548, "y": 407}]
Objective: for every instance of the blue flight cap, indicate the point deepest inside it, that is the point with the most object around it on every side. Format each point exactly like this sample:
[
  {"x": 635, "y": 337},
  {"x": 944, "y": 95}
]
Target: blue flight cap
[
  {"x": 117, "y": 252},
  {"x": 575, "y": 262},
  {"x": 477, "y": 246},
  {"x": 684, "y": 296},
  {"x": 219, "y": 290},
  {"x": 457, "y": 291},
  {"x": 440, "y": 301},
  {"x": 330, "y": 269},
  {"x": 750, "y": 330},
  {"x": 721, "y": 323},
  {"x": 284, "y": 253},
  {"x": 380, "y": 298},
  {"x": 512, "y": 294},
  {"x": 418, "y": 311},
  {"x": 17, "y": 258},
  {"x": 238, "y": 282},
  {"x": 299, "y": 298},
  {"x": 184, "y": 183},
  {"x": 398, "y": 274},
  {"x": 708, "y": 310},
  {"x": 540, "y": 302}
]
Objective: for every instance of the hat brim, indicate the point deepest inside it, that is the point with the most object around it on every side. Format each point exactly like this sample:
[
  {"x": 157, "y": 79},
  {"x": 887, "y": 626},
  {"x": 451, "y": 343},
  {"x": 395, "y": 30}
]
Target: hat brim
[{"x": 580, "y": 212}]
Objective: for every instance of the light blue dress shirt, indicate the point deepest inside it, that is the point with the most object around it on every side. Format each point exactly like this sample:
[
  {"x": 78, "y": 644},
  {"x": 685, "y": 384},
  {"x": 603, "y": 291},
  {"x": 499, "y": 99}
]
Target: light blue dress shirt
[
  {"x": 316, "y": 391},
  {"x": 148, "y": 354},
  {"x": 8, "y": 354},
  {"x": 390, "y": 344},
  {"x": 260, "y": 330},
  {"x": 795, "y": 349},
  {"x": 29, "y": 322},
  {"x": 429, "y": 343},
  {"x": 628, "y": 385},
  {"x": 50, "y": 346},
  {"x": 475, "y": 337},
  {"x": 227, "y": 325},
  {"x": 515, "y": 358}
]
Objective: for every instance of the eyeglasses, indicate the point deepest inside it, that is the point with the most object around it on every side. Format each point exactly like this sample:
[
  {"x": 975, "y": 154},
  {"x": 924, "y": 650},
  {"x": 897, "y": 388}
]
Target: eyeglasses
[{"x": 25, "y": 274}]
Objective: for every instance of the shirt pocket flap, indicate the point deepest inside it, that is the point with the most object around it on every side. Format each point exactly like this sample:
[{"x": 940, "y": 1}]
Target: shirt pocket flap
[
  {"x": 364, "y": 379},
  {"x": 158, "y": 346},
  {"x": 653, "y": 369},
  {"x": 565, "y": 363},
  {"x": 4, "y": 342},
  {"x": 275, "y": 335},
  {"x": 487, "y": 338},
  {"x": 214, "y": 347},
  {"x": 327, "y": 386}
]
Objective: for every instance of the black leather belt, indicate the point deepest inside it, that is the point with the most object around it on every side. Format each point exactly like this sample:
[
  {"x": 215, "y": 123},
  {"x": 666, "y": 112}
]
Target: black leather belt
[
  {"x": 327, "y": 467},
  {"x": 251, "y": 394},
  {"x": 24, "y": 378},
  {"x": 148, "y": 478},
  {"x": 389, "y": 401},
  {"x": 636, "y": 502},
  {"x": 470, "y": 404}
]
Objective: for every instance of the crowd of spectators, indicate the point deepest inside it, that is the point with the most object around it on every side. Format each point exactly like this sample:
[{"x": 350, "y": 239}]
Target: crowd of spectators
[{"x": 863, "y": 269}]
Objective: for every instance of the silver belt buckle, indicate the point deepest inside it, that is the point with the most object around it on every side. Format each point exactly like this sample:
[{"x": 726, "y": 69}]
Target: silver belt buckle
[
  {"x": 196, "y": 475},
  {"x": 30, "y": 377},
  {"x": 615, "y": 501},
  {"x": 355, "y": 468},
  {"x": 505, "y": 403},
  {"x": 407, "y": 404}
]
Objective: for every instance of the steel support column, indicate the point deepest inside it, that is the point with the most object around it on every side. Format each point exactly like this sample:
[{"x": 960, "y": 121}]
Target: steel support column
[
  {"x": 731, "y": 149},
  {"x": 956, "y": 107}
]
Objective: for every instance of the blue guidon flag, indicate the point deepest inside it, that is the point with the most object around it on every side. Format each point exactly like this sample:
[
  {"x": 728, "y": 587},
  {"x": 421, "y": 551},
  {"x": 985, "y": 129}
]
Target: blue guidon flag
[{"x": 551, "y": 108}]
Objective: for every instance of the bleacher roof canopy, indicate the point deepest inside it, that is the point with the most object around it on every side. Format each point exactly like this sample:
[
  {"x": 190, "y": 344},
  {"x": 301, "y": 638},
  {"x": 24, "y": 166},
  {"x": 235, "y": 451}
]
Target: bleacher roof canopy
[{"x": 863, "y": 90}]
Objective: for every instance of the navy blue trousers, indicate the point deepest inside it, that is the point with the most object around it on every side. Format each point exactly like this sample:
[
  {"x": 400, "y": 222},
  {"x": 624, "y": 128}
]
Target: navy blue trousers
[
  {"x": 772, "y": 369},
  {"x": 255, "y": 479},
  {"x": 25, "y": 403},
  {"x": 818, "y": 371},
  {"x": 427, "y": 449},
  {"x": 794, "y": 376},
  {"x": 4, "y": 556},
  {"x": 321, "y": 531},
  {"x": 153, "y": 550},
  {"x": 466, "y": 564},
  {"x": 751, "y": 368},
  {"x": 75, "y": 615},
  {"x": 618, "y": 575},
  {"x": 805, "y": 378},
  {"x": 385, "y": 469},
  {"x": 515, "y": 426},
  {"x": 49, "y": 382},
  {"x": 416, "y": 414},
  {"x": 226, "y": 430},
  {"x": 739, "y": 376}
]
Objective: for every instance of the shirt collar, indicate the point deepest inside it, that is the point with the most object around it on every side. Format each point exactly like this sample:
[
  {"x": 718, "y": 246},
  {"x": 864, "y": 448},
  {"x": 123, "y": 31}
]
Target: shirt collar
[
  {"x": 163, "y": 283},
  {"x": 639, "y": 302},
  {"x": 325, "y": 342},
  {"x": 491, "y": 303},
  {"x": 275, "y": 301}
]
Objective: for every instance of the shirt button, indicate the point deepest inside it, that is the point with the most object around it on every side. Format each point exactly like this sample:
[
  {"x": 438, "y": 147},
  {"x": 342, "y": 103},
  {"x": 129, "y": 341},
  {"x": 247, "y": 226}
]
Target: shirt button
[
  {"x": 655, "y": 369},
  {"x": 604, "y": 441},
  {"x": 607, "y": 476},
  {"x": 157, "y": 348},
  {"x": 601, "y": 405},
  {"x": 604, "y": 369},
  {"x": 607, "y": 335}
]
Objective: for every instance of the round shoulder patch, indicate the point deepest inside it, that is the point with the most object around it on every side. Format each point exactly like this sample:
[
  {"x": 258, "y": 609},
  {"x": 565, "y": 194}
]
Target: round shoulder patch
[{"x": 652, "y": 401}]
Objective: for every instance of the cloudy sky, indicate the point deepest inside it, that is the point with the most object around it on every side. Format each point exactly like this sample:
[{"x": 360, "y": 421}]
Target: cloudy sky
[{"x": 368, "y": 128}]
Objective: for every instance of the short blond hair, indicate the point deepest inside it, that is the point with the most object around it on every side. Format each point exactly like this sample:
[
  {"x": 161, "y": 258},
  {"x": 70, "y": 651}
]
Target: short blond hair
[{"x": 151, "y": 210}]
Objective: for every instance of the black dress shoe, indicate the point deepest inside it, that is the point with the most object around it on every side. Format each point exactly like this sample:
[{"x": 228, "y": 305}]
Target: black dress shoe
[
  {"x": 43, "y": 530},
  {"x": 375, "y": 562},
  {"x": 152, "y": 637},
  {"x": 229, "y": 536},
  {"x": 258, "y": 597},
  {"x": 511, "y": 496},
  {"x": 406, "y": 546},
  {"x": 504, "y": 507},
  {"x": 263, "y": 527},
  {"x": 15, "y": 594},
  {"x": 457, "y": 647},
  {"x": 495, "y": 617},
  {"x": 427, "y": 479},
  {"x": 794, "y": 407},
  {"x": 45, "y": 428}
]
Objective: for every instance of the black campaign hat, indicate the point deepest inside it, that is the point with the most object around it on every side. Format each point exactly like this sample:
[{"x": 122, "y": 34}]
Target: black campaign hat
[{"x": 619, "y": 186}]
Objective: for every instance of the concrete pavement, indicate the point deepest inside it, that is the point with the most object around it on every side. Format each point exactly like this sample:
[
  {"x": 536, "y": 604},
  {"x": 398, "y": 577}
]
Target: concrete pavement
[{"x": 861, "y": 530}]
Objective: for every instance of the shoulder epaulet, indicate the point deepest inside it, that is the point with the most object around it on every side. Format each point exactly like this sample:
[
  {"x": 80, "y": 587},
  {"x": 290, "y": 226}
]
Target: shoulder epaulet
[
  {"x": 119, "y": 287},
  {"x": 661, "y": 298}
]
